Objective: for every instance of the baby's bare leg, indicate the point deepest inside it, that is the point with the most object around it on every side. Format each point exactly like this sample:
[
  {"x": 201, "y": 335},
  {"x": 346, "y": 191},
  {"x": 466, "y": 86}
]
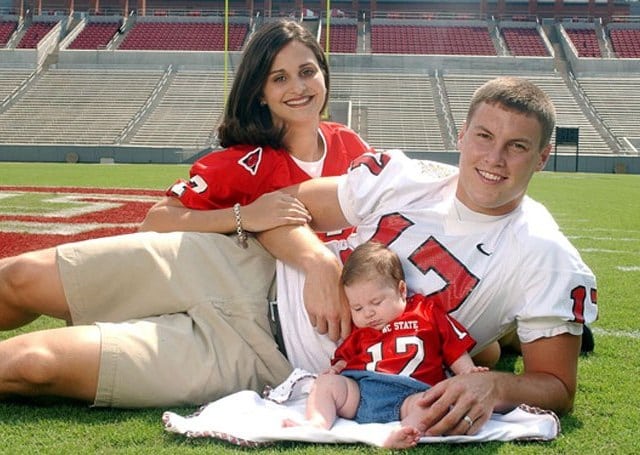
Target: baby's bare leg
[
  {"x": 331, "y": 396},
  {"x": 411, "y": 426},
  {"x": 411, "y": 414}
]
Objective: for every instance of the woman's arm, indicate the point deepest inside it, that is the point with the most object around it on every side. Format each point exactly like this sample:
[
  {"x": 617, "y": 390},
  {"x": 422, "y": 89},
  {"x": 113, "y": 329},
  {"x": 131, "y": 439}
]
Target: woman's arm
[
  {"x": 299, "y": 247},
  {"x": 268, "y": 211}
]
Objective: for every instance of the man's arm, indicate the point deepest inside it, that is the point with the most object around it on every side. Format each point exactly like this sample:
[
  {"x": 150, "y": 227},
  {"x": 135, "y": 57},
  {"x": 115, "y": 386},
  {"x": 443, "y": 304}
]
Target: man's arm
[
  {"x": 320, "y": 197},
  {"x": 299, "y": 247},
  {"x": 548, "y": 381}
]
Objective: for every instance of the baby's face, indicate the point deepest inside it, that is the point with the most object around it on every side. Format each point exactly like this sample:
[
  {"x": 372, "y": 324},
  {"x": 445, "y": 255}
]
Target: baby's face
[{"x": 373, "y": 303}]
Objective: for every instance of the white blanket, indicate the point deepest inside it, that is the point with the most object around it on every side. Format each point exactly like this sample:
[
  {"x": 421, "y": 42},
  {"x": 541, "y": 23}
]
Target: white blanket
[{"x": 246, "y": 419}]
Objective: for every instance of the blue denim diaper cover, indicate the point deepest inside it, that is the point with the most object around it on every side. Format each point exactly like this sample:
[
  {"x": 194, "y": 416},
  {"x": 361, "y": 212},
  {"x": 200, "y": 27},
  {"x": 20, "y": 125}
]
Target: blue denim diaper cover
[{"x": 382, "y": 395}]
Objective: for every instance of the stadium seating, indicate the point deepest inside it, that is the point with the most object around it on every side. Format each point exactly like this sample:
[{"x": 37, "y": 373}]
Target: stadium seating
[
  {"x": 391, "y": 110},
  {"x": 626, "y": 43},
  {"x": 342, "y": 38},
  {"x": 95, "y": 35},
  {"x": 188, "y": 112},
  {"x": 77, "y": 106},
  {"x": 183, "y": 36},
  {"x": 585, "y": 41},
  {"x": 35, "y": 32},
  {"x": 6, "y": 30},
  {"x": 82, "y": 101},
  {"x": 617, "y": 101},
  {"x": 524, "y": 42},
  {"x": 417, "y": 39},
  {"x": 10, "y": 79},
  {"x": 460, "y": 88}
]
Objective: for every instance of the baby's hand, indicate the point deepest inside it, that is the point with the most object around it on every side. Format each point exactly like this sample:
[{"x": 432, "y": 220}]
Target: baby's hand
[
  {"x": 337, "y": 367},
  {"x": 478, "y": 369}
]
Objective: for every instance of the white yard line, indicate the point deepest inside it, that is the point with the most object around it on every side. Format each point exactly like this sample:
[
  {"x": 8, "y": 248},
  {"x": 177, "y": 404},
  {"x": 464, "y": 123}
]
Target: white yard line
[
  {"x": 635, "y": 334},
  {"x": 59, "y": 228}
]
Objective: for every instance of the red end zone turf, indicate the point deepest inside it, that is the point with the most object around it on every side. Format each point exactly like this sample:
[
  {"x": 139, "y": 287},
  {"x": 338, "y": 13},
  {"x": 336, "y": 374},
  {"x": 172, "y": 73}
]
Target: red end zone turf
[{"x": 39, "y": 217}]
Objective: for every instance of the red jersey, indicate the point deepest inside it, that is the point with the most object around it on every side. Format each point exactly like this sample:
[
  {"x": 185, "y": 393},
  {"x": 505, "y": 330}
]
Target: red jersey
[
  {"x": 419, "y": 343},
  {"x": 242, "y": 173}
]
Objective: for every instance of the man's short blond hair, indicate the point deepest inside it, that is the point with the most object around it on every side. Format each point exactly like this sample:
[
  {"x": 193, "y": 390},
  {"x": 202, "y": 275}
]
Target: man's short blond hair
[{"x": 521, "y": 95}]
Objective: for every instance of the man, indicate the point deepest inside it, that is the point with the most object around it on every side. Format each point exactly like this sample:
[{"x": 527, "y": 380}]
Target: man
[{"x": 471, "y": 240}]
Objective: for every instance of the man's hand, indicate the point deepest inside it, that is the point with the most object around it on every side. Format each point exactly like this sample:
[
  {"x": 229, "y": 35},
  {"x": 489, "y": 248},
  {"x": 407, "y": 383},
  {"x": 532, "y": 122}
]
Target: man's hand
[
  {"x": 460, "y": 405},
  {"x": 324, "y": 298}
]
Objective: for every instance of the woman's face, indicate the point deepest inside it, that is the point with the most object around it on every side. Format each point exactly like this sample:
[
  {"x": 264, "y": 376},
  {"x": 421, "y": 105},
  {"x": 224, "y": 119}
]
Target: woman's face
[{"x": 295, "y": 90}]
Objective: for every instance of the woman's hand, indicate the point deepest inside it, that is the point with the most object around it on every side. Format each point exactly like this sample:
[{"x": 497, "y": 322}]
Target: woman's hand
[
  {"x": 324, "y": 298},
  {"x": 272, "y": 210}
]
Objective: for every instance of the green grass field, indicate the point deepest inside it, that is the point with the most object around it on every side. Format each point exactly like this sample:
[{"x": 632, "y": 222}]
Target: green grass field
[{"x": 601, "y": 215}]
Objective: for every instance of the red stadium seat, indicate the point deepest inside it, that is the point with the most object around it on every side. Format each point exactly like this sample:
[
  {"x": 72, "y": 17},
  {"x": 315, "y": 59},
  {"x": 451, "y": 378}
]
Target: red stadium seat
[
  {"x": 6, "y": 30},
  {"x": 34, "y": 34},
  {"x": 524, "y": 42},
  {"x": 417, "y": 39},
  {"x": 95, "y": 35},
  {"x": 201, "y": 36}
]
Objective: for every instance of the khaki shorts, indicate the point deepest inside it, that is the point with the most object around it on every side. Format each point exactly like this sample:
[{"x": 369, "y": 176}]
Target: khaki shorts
[{"x": 183, "y": 316}]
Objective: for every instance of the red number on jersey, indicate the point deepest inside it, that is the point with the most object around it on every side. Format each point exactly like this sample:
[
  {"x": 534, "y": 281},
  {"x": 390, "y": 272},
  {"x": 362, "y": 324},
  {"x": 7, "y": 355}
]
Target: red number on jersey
[
  {"x": 431, "y": 256},
  {"x": 579, "y": 295},
  {"x": 375, "y": 163}
]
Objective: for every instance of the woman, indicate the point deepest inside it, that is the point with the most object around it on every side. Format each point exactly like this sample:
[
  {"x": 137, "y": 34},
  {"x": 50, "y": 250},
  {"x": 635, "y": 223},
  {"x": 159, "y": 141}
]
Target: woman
[
  {"x": 274, "y": 105},
  {"x": 180, "y": 318}
]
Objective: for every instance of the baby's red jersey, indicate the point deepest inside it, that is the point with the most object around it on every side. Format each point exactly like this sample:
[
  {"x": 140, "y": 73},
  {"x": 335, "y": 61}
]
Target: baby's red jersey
[{"x": 420, "y": 343}]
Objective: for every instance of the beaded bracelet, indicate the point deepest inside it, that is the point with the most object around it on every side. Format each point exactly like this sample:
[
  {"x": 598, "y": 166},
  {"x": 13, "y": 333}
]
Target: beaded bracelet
[{"x": 242, "y": 236}]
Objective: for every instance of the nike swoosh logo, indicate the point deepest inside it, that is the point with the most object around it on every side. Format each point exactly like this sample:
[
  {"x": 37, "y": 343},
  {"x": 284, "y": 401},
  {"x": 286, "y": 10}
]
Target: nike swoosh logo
[{"x": 480, "y": 248}]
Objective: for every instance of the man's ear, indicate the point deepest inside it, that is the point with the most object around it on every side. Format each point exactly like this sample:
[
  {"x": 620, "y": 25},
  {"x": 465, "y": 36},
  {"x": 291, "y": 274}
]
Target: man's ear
[
  {"x": 544, "y": 157},
  {"x": 461, "y": 133}
]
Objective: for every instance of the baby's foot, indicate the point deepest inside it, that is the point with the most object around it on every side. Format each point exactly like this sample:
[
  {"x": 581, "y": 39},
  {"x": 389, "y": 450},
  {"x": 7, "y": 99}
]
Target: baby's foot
[
  {"x": 402, "y": 438},
  {"x": 288, "y": 423}
]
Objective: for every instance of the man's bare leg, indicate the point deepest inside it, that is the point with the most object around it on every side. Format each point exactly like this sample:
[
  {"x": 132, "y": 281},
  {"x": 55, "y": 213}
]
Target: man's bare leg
[
  {"x": 489, "y": 356},
  {"x": 61, "y": 362},
  {"x": 30, "y": 286}
]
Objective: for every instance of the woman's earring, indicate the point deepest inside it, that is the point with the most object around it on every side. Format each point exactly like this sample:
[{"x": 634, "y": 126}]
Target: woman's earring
[{"x": 263, "y": 103}]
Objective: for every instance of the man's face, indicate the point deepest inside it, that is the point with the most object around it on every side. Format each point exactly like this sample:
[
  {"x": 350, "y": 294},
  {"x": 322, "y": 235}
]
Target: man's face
[{"x": 499, "y": 152}]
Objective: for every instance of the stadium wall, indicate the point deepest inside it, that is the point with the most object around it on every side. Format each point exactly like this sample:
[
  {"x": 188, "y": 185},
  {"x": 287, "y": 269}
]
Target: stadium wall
[
  {"x": 167, "y": 155},
  {"x": 90, "y": 154},
  {"x": 560, "y": 163},
  {"x": 339, "y": 63}
]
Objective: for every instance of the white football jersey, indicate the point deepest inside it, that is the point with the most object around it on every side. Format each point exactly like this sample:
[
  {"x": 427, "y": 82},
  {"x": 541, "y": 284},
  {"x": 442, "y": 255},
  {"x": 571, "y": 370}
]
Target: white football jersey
[{"x": 493, "y": 274}]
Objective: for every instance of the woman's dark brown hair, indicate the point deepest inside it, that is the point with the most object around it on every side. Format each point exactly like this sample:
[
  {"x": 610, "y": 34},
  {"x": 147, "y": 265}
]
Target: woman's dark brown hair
[{"x": 245, "y": 120}]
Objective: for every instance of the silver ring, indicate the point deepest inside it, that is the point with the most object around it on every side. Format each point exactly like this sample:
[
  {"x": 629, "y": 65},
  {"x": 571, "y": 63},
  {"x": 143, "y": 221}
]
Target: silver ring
[{"x": 469, "y": 420}]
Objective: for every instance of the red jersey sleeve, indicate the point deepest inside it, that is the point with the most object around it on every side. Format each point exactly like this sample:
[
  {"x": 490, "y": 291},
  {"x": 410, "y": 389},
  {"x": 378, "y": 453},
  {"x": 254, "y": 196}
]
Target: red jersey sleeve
[
  {"x": 455, "y": 338},
  {"x": 237, "y": 174},
  {"x": 240, "y": 174},
  {"x": 349, "y": 348}
]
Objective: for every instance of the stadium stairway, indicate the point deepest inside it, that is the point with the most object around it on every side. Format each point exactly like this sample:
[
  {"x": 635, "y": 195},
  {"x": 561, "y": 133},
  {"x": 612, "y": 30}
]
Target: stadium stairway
[
  {"x": 147, "y": 108},
  {"x": 583, "y": 101}
]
